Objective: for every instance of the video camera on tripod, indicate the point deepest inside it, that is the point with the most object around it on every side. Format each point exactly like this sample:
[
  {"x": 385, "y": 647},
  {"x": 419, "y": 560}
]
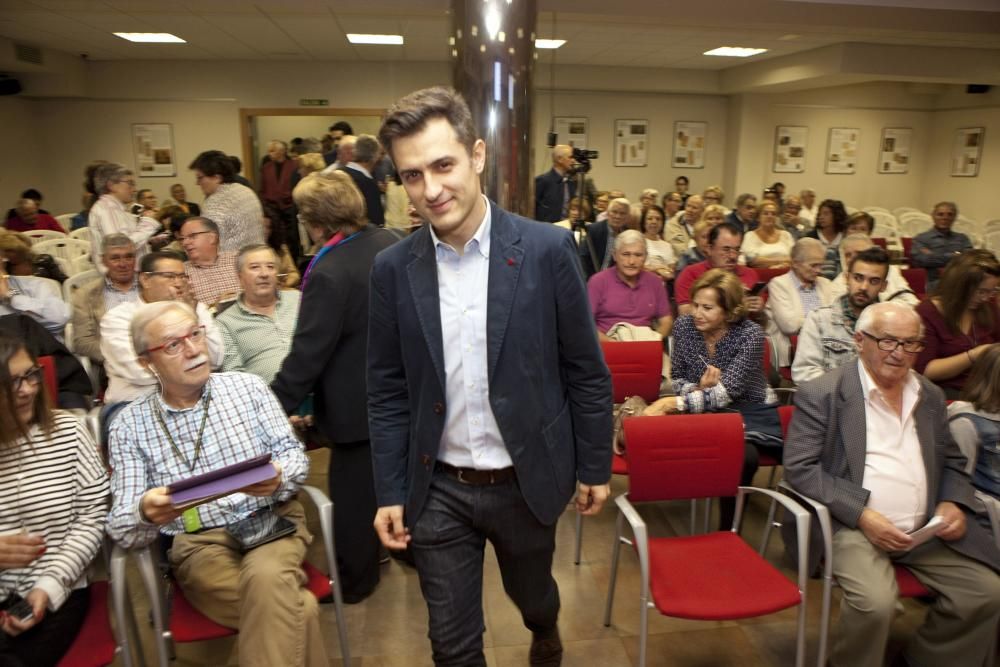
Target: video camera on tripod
[{"x": 582, "y": 158}]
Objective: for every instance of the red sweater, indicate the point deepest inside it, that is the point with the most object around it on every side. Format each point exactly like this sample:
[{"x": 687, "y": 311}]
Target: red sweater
[{"x": 42, "y": 221}]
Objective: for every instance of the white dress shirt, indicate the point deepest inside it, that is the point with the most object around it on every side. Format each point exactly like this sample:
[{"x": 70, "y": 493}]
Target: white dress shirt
[
  {"x": 107, "y": 216},
  {"x": 471, "y": 437},
  {"x": 894, "y": 465}
]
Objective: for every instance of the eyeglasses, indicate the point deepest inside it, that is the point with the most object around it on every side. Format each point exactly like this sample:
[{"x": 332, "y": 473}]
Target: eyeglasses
[
  {"x": 169, "y": 275},
  {"x": 33, "y": 376},
  {"x": 986, "y": 293},
  {"x": 174, "y": 346},
  {"x": 182, "y": 239},
  {"x": 890, "y": 344}
]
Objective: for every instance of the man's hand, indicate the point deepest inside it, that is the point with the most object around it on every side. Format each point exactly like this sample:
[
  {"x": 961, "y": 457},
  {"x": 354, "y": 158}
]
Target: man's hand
[
  {"x": 390, "y": 528},
  {"x": 268, "y": 486},
  {"x": 157, "y": 508},
  {"x": 755, "y": 304},
  {"x": 20, "y": 550},
  {"x": 882, "y": 533},
  {"x": 590, "y": 499},
  {"x": 710, "y": 377},
  {"x": 300, "y": 423},
  {"x": 4, "y": 286},
  {"x": 39, "y": 600},
  {"x": 954, "y": 521}
]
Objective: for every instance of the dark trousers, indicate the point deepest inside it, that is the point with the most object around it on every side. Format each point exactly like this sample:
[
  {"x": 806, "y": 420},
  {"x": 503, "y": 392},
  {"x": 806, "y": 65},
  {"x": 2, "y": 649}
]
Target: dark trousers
[
  {"x": 352, "y": 489},
  {"x": 751, "y": 456},
  {"x": 448, "y": 541},
  {"x": 46, "y": 643},
  {"x": 290, "y": 225}
]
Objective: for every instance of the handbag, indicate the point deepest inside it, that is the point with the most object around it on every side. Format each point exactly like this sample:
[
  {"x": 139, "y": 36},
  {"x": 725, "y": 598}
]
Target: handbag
[{"x": 632, "y": 406}]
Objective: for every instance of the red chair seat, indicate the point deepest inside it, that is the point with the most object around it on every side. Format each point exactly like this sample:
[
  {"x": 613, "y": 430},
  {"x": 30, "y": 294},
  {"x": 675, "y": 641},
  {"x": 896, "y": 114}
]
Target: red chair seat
[
  {"x": 187, "y": 624},
  {"x": 94, "y": 645},
  {"x": 734, "y": 581},
  {"x": 909, "y": 585},
  {"x": 765, "y": 460},
  {"x": 619, "y": 465}
]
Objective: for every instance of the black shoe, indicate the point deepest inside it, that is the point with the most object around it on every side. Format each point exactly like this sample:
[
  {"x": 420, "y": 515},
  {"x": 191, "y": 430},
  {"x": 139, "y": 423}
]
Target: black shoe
[{"x": 546, "y": 649}]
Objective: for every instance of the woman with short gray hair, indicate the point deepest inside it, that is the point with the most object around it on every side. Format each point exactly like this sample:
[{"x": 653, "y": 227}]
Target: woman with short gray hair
[{"x": 115, "y": 187}]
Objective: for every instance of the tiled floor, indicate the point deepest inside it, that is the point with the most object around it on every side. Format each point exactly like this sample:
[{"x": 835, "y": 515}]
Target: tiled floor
[{"x": 389, "y": 629}]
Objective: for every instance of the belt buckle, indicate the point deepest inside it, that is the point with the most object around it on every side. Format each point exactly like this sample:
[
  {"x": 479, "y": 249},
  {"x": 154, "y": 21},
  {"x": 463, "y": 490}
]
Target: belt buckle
[{"x": 460, "y": 475}]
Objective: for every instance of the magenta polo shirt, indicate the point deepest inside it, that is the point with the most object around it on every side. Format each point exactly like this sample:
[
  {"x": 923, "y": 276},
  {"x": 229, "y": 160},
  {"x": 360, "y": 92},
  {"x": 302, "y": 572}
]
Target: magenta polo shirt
[{"x": 612, "y": 300}]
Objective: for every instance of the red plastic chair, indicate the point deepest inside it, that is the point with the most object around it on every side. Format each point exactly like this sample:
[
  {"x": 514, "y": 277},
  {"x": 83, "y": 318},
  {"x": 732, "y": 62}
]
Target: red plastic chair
[
  {"x": 713, "y": 576},
  {"x": 765, "y": 275},
  {"x": 907, "y": 242},
  {"x": 51, "y": 378},
  {"x": 917, "y": 279},
  {"x": 880, "y": 242}
]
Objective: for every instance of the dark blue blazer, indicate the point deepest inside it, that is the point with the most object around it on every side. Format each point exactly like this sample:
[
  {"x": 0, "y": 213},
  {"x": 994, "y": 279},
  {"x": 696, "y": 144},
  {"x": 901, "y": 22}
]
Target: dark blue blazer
[
  {"x": 549, "y": 387},
  {"x": 549, "y": 196}
]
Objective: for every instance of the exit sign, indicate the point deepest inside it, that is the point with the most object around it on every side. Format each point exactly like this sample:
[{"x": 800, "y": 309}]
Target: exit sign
[{"x": 317, "y": 102}]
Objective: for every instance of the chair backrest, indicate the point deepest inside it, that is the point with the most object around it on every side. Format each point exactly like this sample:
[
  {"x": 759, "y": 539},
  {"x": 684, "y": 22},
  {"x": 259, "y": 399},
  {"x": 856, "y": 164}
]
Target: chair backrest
[
  {"x": 871, "y": 210},
  {"x": 917, "y": 279},
  {"x": 907, "y": 242},
  {"x": 76, "y": 281},
  {"x": 765, "y": 275},
  {"x": 992, "y": 241},
  {"x": 898, "y": 212},
  {"x": 675, "y": 457},
  {"x": 48, "y": 364},
  {"x": 83, "y": 234},
  {"x": 38, "y": 235},
  {"x": 635, "y": 368},
  {"x": 66, "y": 220},
  {"x": 991, "y": 226},
  {"x": 82, "y": 264},
  {"x": 885, "y": 218},
  {"x": 64, "y": 248}
]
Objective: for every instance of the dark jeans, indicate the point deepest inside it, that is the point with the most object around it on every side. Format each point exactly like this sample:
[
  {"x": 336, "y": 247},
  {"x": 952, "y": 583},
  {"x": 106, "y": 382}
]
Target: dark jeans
[
  {"x": 290, "y": 225},
  {"x": 448, "y": 542},
  {"x": 751, "y": 456},
  {"x": 352, "y": 489},
  {"x": 46, "y": 643}
]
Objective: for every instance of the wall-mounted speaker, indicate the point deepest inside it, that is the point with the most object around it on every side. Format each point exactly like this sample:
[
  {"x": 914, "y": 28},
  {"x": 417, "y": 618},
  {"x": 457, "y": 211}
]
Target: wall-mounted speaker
[
  {"x": 9, "y": 85},
  {"x": 977, "y": 89}
]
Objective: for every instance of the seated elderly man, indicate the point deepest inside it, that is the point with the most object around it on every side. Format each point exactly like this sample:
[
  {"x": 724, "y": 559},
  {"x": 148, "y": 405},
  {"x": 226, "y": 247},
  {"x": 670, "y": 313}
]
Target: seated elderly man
[
  {"x": 24, "y": 294},
  {"x": 161, "y": 278},
  {"x": 827, "y": 334},
  {"x": 897, "y": 288},
  {"x": 199, "y": 422},
  {"x": 257, "y": 329},
  {"x": 627, "y": 293},
  {"x": 212, "y": 273},
  {"x": 27, "y": 218},
  {"x": 870, "y": 441},
  {"x": 679, "y": 232},
  {"x": 118, "y": 285},
  {"x": 934, "y": 248},
  {"x": 793, "y": 295}
]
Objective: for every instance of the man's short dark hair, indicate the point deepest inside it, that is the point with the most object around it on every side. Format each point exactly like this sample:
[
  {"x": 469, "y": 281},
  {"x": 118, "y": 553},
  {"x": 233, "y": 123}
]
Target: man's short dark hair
[
  {"x": 410, "y": 115},
  {"x": 730, "y": 227},
  {"x": 209, "y": 225},
  {"x": 341, "y": 126},
  {"x": 149, "y": 261},
  {"x": 214, "y": 163},
  {"x": 682, "y": 178},
  {"x": 32, "y": 193},
  {"x": 873, "y": 255},
  {"x": 744, "y": 198}
]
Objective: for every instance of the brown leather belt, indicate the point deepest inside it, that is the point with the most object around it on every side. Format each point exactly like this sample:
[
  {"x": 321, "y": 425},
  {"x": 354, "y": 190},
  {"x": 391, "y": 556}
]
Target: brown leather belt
[{"x": 474, "y": 477}]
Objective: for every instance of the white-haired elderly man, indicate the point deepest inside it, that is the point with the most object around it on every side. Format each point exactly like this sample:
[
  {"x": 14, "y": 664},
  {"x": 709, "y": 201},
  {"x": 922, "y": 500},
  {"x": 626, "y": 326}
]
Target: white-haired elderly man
[
  {"x": 196, "y": 423},
  {"x": 870, "y": 440}
]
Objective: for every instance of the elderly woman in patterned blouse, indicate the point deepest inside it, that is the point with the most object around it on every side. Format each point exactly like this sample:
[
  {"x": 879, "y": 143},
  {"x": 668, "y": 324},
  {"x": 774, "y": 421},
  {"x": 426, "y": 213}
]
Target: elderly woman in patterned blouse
[{"x": 717, "y": 365}]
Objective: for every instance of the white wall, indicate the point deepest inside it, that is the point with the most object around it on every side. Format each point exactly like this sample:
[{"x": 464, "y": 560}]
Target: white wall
[
  {"x": 21, "y": 167},
  {"x": 976, "y": 197}
]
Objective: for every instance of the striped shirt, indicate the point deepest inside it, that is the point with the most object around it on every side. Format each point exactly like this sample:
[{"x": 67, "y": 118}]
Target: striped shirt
[
  {"x": 256, "y": 343},
  {"x": 244, "y": 420},
  {"x": 55, "y": 486},
  {"x": 237, "y": 211},
  {"x": 211, "y": 283},
  {"x": 808, "y": 295}
]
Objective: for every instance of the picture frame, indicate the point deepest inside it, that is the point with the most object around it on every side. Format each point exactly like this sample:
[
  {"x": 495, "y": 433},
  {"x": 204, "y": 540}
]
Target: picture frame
[
  {"x": 572, "y": 130},
  {"x": 631, "y": 142},
  {"x": 842, "y": 150},
  {"x": 790, "y": 149},
  {"x": 967, "y": 151},
  {"x": 153, "y": 149},
  {"x": 689, "y": 144},
  {"x": 894, "y": 150}
]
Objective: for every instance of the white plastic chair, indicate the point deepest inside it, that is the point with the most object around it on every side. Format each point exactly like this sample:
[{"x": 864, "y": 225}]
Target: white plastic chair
[
  {"x": 992, "y": 241},
  {"x": 966, "y": 226},
  {"x": 64, "y": 247},
  {"x": 991, "y": 226},
  {"x": 83, "y": 264},
  {"x": 899, "y": 211},
  {"x": 871, "y": 210},
  {"x": 76, "y": 281},
  {"x": 83, "y": 234},
  {"x": 39, "y": 235},
  {"x": 66, "y": 220}
]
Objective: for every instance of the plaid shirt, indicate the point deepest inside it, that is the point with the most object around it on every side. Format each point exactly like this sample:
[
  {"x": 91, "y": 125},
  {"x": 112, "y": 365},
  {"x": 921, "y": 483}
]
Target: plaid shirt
[
  {"x": 256, "y": 343},
  {"x": 244, "y": 420},
  {"x": 210, "y": 283}
]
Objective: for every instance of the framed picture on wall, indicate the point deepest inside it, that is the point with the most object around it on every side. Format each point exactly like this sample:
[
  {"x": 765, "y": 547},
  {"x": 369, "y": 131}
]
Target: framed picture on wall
[
  {"x": 631, "y": 143},
  {"x": 789, "y": 149},
  {"x": 967, "y": 151},
  {"x": 842, "y": 150},
  {"x": 894, "y": 150},
  {"x": 571, "y": 130},
  {"x": 689, "y": 144},
  {"x": 153, "y": 146}
]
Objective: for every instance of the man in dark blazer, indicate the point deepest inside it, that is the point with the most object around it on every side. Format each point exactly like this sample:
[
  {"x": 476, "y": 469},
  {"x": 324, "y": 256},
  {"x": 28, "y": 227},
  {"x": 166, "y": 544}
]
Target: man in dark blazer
[
  {"x": 488, "y": 397},
  {"x": 870, "y": 440},
  {"x": 597, "y": 247},
  {"x": 366, "y": 152},
  {"x": 556, "y": 187}
]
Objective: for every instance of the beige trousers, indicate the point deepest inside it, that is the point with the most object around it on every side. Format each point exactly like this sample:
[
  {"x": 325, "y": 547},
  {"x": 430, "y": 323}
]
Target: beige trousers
[
  {"x": 959, "y": 627},
  {"x": 260, "y": 593}
]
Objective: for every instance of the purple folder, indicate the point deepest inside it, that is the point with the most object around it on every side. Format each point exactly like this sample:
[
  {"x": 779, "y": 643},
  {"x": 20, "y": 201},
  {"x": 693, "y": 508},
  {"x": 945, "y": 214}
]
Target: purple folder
[{"x": 217, "y": 483}]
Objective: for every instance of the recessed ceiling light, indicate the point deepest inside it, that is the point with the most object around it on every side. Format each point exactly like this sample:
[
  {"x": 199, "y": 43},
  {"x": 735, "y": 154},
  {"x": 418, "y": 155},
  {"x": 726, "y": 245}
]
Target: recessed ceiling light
[
  {"x": 356, "y": 38},
  {"x": 151, "y": 37},
  {"x": 734, "y": 51},
  {"x": 549, "y": 43}
]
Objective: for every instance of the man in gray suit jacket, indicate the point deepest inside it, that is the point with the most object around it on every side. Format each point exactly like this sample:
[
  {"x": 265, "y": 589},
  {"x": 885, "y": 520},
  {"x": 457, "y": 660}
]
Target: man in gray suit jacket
[
  {"x": 871, "y": 441},
  {"x": 489, "y": 401}
]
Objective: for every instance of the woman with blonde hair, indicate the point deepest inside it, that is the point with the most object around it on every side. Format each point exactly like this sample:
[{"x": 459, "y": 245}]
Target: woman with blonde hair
[{"x": 768, "y": 246}]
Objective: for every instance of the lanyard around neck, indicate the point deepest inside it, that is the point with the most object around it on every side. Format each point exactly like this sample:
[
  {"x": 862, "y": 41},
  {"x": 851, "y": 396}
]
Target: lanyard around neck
[
  {"x": 201, "y": 432},
  {"x": 334, "y": 241}
]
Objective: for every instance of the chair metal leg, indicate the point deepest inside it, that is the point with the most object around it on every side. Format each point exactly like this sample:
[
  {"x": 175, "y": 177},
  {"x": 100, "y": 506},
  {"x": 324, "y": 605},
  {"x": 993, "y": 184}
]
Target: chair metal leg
[
  {"x": 579, "y": 539},
  {"x": 616, "y": 549},
  {"x": 643, "y": 626},
  {"x": 325, "y": 507},
  {"x": 768, "y": 526},
  {"x": 694, "y": 516},
  {"x": 157, "y": 600},
  {"x": 708, "y": 515}
]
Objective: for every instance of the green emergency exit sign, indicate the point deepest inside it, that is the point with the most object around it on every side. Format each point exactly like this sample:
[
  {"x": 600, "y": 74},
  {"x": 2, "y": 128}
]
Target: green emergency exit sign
[{"x": 314, "y": 102}]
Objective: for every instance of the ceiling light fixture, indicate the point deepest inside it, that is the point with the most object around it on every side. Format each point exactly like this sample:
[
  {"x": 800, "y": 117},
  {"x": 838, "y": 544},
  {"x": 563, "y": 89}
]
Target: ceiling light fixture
[
  {"x": 549, "y": 43},
  {"x": 151, "y": 37},
  {"x": 356, "y": 38},
  {"x": 734, "y": 51}
]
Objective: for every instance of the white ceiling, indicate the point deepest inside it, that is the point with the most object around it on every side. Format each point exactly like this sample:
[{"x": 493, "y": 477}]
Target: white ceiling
[{"x": 630, "y": 33}]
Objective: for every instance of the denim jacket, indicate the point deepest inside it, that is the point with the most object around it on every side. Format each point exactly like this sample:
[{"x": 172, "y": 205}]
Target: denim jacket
[{"x": 826, "y": 341}]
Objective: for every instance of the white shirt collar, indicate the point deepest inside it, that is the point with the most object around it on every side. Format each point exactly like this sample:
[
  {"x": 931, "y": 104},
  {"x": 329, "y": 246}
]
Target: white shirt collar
[
  {"x": 358, "y": 167},
  {"x": 911, "y": 388},
  {"x": 481, "y": 238}
]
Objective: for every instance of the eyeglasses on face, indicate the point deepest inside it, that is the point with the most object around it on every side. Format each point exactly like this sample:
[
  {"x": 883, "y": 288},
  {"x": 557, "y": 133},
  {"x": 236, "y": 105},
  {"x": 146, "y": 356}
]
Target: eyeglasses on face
[
  {"x": 890, "y": 344},
  {"x": 182, "y": 239},
  {"x": 169, "y": 275},
  {"x": 173, "y": 346},
  {"x": 33, "y": 376}
]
